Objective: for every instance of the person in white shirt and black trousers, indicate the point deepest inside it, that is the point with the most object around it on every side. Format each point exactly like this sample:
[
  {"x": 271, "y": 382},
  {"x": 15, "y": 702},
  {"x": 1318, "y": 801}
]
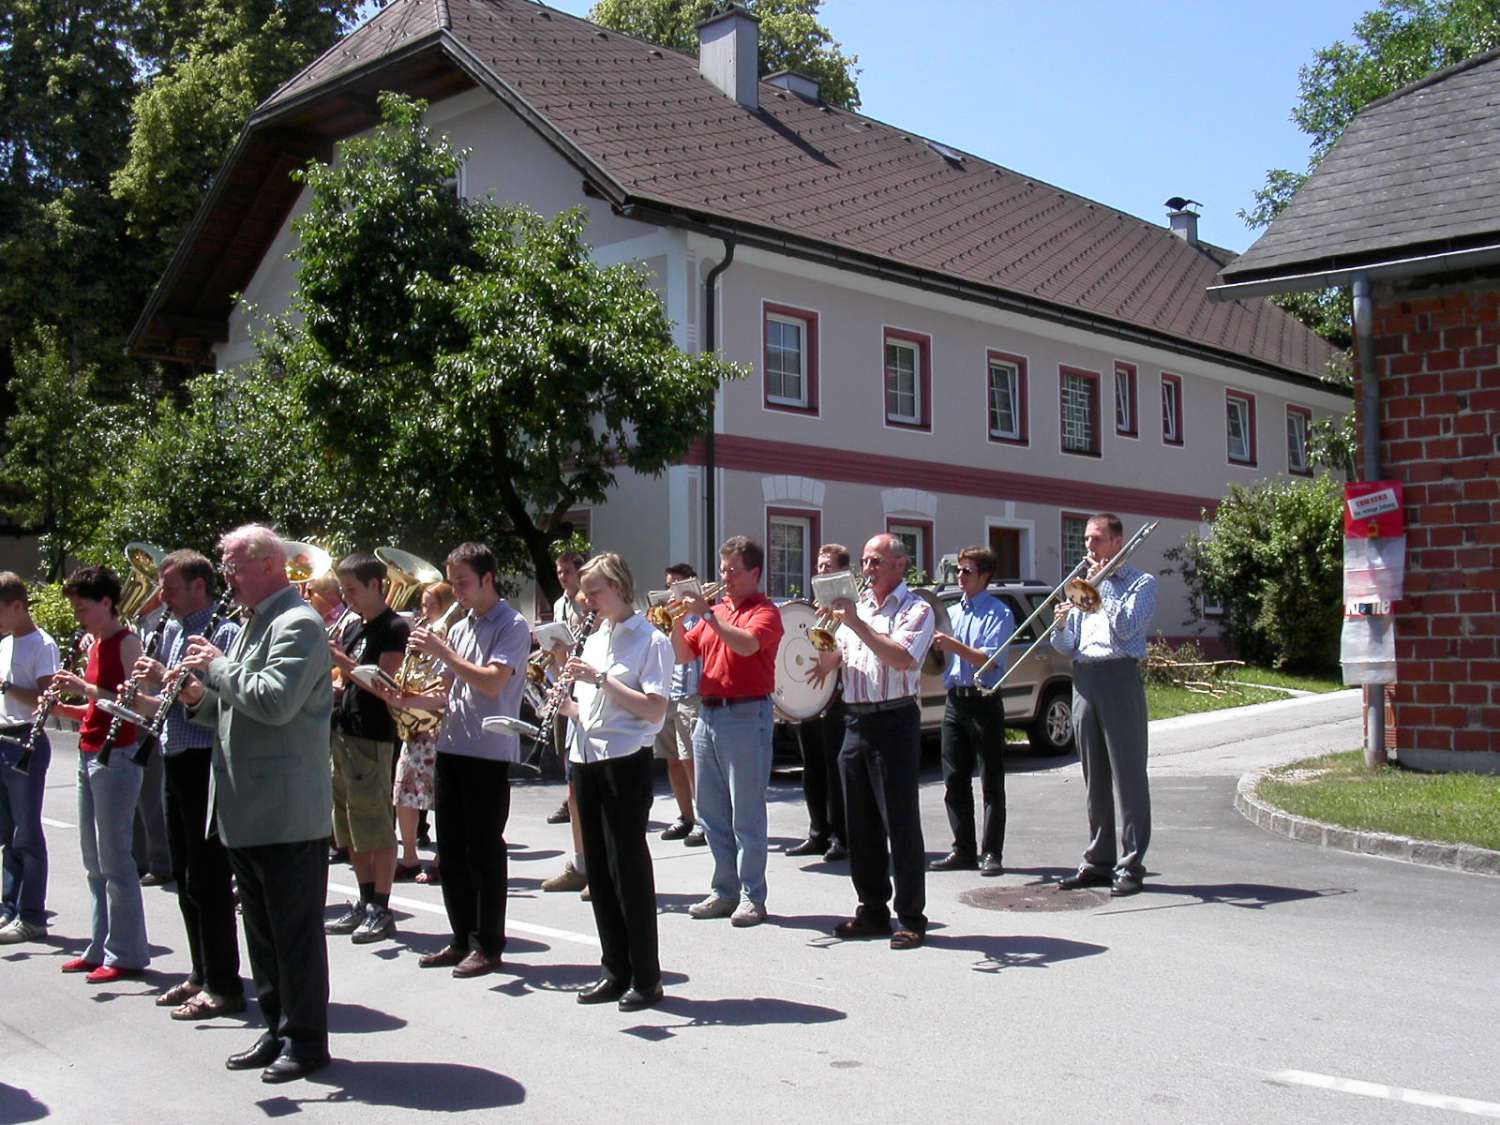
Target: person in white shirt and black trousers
[{"x": 623, "y": 679}]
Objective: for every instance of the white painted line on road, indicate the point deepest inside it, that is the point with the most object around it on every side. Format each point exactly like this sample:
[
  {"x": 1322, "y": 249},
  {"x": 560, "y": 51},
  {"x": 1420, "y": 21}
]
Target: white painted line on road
[
  {"x": 510, "y": 924},
  {"x": 50, "y": 823},
  {"x": 1389, "y": 1093}
]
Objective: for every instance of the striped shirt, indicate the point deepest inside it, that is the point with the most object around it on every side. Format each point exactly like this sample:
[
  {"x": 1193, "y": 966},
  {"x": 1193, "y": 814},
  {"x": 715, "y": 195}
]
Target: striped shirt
[
  {"x": 181, "y": 733},
  {"x": 907, "y": 620},
  {"x": 1117, "y": 629}
]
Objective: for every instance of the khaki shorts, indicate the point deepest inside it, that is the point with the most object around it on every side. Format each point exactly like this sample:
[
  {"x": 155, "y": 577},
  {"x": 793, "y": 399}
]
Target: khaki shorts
[
  {"x": 363, "y": 820},
  {"x": 675, "y": 739}
]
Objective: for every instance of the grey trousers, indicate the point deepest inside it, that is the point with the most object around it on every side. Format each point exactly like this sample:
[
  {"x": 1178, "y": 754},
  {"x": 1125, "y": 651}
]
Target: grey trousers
[
  {"x": 150, "y": 842},
  {"x": 1109, "y": 721}
]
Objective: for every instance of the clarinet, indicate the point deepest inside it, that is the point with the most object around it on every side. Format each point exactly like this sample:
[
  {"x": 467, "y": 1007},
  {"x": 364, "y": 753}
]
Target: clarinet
[
  {"x": 44, "y": 705},
  {"x": 127, "y": 693},
  {"x": 176, "y": 682},
  {"x": 562, "y": 689}
]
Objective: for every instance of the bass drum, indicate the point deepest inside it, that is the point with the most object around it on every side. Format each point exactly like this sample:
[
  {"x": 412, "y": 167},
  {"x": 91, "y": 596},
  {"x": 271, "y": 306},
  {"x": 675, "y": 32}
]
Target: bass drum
[{"x": 795, "y": 699}]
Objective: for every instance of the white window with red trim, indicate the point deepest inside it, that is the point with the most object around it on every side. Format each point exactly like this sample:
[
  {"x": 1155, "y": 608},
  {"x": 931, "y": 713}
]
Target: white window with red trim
[
  {"x": 1006, "y": 398},
  {"x": 1298, "y": 424},
  {"x": 916, "y": 536},
  {"x": 908, "y": 379},
  {"x": 1126, "y": 422},
  {"x": 1171, "y": 409},
  {"x": 1240, "y": 427},
  {"x": 790, "y": 358},
  {"x": 1074, "y": 529},
  {"x": 791, "y": 540}
]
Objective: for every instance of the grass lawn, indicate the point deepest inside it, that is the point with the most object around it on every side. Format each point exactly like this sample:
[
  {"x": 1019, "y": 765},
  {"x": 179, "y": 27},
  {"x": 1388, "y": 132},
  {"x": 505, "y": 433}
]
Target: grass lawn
[
  {"x": 1163, "y": 701},
  {"x": 1451, "y": 808},
  {"x": 1331, "y": 681}
]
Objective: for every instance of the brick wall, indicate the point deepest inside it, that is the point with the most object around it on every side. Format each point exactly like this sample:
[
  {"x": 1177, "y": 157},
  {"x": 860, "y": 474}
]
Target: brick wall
[{"x": 1436, "y": 357}]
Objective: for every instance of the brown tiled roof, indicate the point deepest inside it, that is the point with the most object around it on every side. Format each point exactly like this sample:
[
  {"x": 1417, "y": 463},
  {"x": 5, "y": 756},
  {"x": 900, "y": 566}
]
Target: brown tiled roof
[
  {"x": 651, "y": 133},
  {"x": 1413, "y": 173}
]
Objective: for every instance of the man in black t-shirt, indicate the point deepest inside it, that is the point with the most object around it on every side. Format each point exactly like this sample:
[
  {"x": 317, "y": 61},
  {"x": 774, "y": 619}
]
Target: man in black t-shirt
[{"x": 364, "y": 746}]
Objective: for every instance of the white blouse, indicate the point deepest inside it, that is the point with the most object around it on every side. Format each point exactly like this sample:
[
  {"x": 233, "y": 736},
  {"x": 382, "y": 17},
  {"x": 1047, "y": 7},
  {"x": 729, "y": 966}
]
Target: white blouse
[{"x": 640, "y": 656}]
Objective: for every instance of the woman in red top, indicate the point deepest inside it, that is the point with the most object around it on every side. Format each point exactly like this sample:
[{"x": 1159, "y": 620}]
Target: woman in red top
[{"x": 107, "y": 795}]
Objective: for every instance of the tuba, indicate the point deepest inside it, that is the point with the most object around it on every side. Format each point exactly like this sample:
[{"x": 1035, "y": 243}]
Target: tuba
[
  {"x": 305, "y": 561},
  {"x": 140, "y": 577},
  {"x": 407, "y": 576},
  {"x": 419, "y": 673}
]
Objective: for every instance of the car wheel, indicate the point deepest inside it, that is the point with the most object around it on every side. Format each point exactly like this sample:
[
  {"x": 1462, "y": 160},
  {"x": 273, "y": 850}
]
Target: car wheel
[{"x": 1052, "y": 733}]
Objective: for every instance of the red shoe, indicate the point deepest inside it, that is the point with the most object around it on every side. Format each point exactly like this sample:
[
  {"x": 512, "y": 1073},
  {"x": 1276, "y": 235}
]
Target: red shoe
[
  {"x": 79, "y": 965},
  {"x": 108, "y": 974}
]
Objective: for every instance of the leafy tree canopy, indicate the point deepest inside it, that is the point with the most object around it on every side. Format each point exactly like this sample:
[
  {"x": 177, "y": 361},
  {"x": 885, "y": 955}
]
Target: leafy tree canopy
[{"x": 791, "y": 38}]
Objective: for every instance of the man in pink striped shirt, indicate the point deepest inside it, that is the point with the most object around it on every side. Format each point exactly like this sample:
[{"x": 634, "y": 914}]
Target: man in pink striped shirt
[{"x": 881, "y": 646}]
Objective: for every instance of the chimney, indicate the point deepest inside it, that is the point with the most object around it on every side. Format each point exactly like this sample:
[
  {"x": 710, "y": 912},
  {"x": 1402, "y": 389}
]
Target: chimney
[
  {"x": 808, "y": 89},
  {"x": 729, "y": 54},
  {"x": 1183, "y": 220}
]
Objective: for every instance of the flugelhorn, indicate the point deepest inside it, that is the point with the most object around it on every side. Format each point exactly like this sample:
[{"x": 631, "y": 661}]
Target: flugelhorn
[
  {"x": 821, "y": 634},
  {"x": 667, "y": 613}
]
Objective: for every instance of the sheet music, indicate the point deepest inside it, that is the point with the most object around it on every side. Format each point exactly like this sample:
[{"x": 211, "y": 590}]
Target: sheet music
[{"x": 828, "y": 588}]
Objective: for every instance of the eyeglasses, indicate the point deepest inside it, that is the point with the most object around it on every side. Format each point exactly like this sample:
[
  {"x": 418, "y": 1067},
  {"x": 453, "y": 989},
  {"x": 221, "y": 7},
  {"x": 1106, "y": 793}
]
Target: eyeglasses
[
  {"x": 872, "y": 560},
  {"x": 968, "y": 570}
]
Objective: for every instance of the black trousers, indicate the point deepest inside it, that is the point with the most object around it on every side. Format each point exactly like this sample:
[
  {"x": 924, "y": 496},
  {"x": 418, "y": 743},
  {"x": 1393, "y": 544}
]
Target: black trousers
[
  {"x": 879, "y": 763},
  {"x": 974, "y": 733},
  {"x": 200, "y": 865},
  {"x": 282, "y": 891},
  {"x": 614, "y": 804},
  {"x": 822, "y": 788},
  {"x": 472, "y": 803}
]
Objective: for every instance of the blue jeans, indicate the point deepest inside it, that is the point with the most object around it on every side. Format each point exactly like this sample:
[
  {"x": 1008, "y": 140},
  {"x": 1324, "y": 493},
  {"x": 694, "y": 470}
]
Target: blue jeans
[
  {"x": 732, "y": 767},
  {"x": 107, "y": 797},
  {"x": 21, "y": 839}
]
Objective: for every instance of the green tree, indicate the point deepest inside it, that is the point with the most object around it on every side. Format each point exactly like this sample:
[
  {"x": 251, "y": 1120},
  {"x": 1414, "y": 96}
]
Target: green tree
[
  {"x": 469, "y": 365},
  {"x": 1392, "y": 46},
  {"x": 791, "y": 38},
  {"x": 1274, "y": 560}
]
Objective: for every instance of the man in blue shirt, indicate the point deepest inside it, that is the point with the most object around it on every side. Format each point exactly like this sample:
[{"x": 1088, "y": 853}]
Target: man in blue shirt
[
  {"x": 1109, "y": 710},
  {"x": 974, "y": 724}
]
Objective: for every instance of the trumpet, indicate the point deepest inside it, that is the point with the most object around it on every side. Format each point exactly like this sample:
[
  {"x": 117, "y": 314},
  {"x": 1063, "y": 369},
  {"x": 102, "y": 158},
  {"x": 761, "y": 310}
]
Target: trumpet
[
  {"x": 821, "y": 634},
  {"x": 666, "y": 614}
]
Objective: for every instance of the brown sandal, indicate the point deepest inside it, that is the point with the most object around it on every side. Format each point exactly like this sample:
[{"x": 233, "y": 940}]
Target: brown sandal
[
  {"x": 207, "y": 1006},
  {"x": 178, "y": 994},
  {"x": 429, "y": 876}
]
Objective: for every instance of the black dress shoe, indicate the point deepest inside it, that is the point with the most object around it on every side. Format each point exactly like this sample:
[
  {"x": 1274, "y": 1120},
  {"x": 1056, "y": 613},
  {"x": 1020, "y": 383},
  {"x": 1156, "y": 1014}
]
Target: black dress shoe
[
  {"x": 1084, "y": 878},
  {"x": 954, "y": 861},
  {"x": 266, "y": 1050},
  {"x": 810, "y": 846},
  {"x": 989, "y": 864},
  {"x": 602, "y": 991},
  {"x": 635, "y": 999},
  {"x": 836, "y": 851},
  {"x": 286, "y": 1068},
  {"x": 1125, "y": 884},
  {"x": 859, "y": 928}
]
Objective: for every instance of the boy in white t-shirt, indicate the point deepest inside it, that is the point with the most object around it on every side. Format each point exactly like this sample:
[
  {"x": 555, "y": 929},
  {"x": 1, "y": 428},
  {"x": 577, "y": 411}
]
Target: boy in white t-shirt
[{"x": 28, "y": 659}]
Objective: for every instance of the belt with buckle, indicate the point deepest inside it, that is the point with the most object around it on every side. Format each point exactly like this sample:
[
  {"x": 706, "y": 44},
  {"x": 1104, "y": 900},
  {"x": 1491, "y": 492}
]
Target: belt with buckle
[
  {"x": 722, "y": 701},
  {"x": 883, "y": 705},
  {"x": 967, "y": 693}
]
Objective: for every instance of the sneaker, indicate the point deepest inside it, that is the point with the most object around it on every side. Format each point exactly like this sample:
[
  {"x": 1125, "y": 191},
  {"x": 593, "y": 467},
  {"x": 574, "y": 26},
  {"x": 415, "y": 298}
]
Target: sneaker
[
  {"x": 19, "y": 930},
  {"x": 713, "y": 907},
  {"x": 348, "y": 921},
  {"x": 697, "y": 838},
  {"x": 561, "y": 816},
  {"x": 569, "y": 879},
  {"x": 748, "y": 914},
  {"x": 677, "y": 829},
  {"x": 377, "y": 925}
]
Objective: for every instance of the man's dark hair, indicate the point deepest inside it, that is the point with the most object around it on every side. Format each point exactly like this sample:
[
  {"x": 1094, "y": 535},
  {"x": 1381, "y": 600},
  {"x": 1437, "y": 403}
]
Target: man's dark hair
[
  {"x": 748, "y": 550},
  {"x": 837, "y": 551},
  {"x": 679, "y": 571},
  {"x": 12, "y": 589},
  {"x": 192, "y": 567},
  {"x": 983, "y": 558},
  {"x": 1110, "y": 520},
  {"x": 476, "y": 556},
  {"x": 364, "y": 568},
  {"x": 94, "y": 583}
]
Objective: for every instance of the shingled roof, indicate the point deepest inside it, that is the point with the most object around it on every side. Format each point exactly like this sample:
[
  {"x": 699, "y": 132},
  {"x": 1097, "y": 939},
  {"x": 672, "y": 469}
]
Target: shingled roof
[
  {"x": 1413, "y": 174},
  {"x": 663, "y": 144}
]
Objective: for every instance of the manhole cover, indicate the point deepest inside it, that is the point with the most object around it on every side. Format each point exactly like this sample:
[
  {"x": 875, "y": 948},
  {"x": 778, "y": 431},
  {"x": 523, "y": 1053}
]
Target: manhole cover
[{"x": 1033, "y": 896}]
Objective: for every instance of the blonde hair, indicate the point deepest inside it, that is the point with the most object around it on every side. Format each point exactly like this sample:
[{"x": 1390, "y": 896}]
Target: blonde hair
[{"x": 612, "y": 569}]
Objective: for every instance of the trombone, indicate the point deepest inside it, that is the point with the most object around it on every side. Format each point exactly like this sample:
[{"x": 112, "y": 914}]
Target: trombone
[{"x": 1079, "y": 591}]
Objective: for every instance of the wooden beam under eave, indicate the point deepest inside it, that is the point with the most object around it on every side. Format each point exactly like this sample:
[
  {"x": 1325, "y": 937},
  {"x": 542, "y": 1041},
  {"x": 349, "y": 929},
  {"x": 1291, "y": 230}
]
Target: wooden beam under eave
[{"x": 212, "y": 330}]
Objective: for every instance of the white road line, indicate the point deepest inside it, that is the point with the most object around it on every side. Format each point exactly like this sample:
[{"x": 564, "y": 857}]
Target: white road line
[
  {"x": 50, "y": 823},
  {"x": 1389, "y": 1093},
  {"x": 510, "y": 923}
]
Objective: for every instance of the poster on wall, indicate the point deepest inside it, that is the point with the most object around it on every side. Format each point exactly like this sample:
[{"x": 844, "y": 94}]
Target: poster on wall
[{"x": 1374, "y": 542}]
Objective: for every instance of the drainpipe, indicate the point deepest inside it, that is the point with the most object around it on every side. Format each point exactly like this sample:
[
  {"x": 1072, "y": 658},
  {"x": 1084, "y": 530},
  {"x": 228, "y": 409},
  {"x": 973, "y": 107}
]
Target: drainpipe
[
  {"x": 1369, "y": 406},
  {"x": 711, "y": 345}
]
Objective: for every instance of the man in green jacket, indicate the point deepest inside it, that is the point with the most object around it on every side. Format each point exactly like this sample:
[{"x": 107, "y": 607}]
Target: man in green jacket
[{"x": 269, "y": 700}]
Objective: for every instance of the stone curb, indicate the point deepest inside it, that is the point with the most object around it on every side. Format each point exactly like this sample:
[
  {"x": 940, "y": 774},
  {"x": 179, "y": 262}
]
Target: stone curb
[{"x": 1453, "y": 857}]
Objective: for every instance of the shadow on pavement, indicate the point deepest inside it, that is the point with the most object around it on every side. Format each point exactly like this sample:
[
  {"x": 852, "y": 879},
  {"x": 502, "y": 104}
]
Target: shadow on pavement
[
  {"x": 733, "y": 1012},
  {"x": 1247, "y": 896},
  {"x": 1014, "y": 951},
  {"x": 561, "y": 978},
  {"x": 356, "y": 1019},
  {"x": 441, "y": 1087},
  {"x": 17, "y": 1105}
]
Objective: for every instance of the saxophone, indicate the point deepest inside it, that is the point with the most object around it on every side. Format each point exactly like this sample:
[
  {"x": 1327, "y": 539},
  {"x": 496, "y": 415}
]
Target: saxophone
[{"x": 419, "y": 673}]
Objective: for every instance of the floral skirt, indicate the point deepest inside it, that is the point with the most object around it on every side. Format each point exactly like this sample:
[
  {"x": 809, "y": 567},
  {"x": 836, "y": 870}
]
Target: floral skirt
[{"x": 414, "y": 771}]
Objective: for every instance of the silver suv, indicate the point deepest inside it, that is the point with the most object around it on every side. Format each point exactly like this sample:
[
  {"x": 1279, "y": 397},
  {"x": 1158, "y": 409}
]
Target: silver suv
[{"x": 1039, "y": 697}]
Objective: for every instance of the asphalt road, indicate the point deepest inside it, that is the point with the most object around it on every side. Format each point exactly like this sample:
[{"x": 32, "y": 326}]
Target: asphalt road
[{"x": 1256, "y": 980}]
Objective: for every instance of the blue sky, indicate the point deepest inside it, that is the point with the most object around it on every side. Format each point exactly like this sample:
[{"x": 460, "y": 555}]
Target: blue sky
[{"x": 1126, "y": 103}]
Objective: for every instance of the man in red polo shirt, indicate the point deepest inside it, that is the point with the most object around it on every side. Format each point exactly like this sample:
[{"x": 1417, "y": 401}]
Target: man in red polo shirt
[{"x": 737, "y": 640}]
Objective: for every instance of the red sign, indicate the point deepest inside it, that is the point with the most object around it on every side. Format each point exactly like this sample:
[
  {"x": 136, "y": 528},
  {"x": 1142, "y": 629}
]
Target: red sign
[{"x": 1372, "y": 510}]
